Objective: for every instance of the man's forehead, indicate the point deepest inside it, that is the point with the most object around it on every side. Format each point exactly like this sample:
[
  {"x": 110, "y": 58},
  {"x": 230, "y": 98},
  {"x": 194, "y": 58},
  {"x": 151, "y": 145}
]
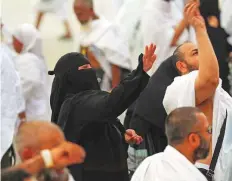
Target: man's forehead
[
  {"x": 202, "y": 120},
  {"x": 188, "y": 47}
]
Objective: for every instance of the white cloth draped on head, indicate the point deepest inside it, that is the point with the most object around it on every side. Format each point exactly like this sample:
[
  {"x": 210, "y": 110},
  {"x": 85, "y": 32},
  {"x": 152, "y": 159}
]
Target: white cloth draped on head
[
  {"x": 158, "y": 26},
  {"x": 30, "y": 38},
  {"x": 33, "y": 72},
  {"x": 184, "y": 87},
  {"x": 169, "y": 165}
]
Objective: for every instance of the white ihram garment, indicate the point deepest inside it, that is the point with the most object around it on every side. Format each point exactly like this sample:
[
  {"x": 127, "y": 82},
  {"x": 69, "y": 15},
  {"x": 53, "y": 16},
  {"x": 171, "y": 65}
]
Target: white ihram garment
[
  {"x": 181, "y": 93},
  {"x": 169, "y": 165},
  {"x": 33, "y": 73}
]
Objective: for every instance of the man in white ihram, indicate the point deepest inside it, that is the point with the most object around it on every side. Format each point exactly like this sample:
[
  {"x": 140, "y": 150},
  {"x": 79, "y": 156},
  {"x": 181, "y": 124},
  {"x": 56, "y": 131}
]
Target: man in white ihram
[
  {"x": 32, "y": 69},
  {"x": 103, "y": 44},
  {"x": 189, "y": 136},
  {"x": 199, "y": 85}
]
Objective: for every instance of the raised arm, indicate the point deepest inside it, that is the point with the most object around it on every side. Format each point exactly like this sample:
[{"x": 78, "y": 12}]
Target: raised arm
[
  {"x": 122, "y": 96},
  {"x": 208, "y": 77},
  {"x": 178, "y": 31}
]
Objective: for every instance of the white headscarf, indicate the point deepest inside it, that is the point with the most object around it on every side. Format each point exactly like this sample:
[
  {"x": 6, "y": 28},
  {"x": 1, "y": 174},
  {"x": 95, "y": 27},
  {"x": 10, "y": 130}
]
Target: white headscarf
[
  {"x": 28, "y": 35},
  {"x": 31, "y": 39}
]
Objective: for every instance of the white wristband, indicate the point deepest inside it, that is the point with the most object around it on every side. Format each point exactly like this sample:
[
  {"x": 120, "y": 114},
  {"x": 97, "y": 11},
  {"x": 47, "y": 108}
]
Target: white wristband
[{"x": 47, "y": 158}]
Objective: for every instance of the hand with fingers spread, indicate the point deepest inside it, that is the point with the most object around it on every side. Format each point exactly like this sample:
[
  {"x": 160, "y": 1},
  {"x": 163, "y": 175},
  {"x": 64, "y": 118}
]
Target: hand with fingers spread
[
  {"x": 193, "y": 15},
  {"x": 132, "y": 138},
  {"x": 149, "y": 57}
]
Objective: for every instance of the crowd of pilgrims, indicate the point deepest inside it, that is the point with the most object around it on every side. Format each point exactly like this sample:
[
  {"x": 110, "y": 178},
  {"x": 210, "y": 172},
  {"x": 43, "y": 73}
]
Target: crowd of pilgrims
[{"x": 163, "y": 64}]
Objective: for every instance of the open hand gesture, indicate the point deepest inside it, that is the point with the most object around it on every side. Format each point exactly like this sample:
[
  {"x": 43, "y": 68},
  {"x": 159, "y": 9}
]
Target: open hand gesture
[
  {"x": 193, "y": 16},
  {"x": 149, "y": 57}
]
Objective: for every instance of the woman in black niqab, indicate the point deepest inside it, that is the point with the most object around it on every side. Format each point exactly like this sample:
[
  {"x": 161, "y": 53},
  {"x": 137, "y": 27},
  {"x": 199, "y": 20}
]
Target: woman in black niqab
[
  {"x": 70, "y": 80},
  {"x": 88, "y": 116}
]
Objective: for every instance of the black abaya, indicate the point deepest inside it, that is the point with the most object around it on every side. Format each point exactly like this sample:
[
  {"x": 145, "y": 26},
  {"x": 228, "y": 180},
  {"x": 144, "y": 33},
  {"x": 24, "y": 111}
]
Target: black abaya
[
  {"x": 149, "y": 114},
  {"x": 89, "y": 118}
]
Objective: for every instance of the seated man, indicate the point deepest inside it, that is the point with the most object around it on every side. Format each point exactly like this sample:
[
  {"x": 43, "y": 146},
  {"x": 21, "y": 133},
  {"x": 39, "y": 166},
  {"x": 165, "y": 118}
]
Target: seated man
[
  {"x": 36, "y": 136},
  {"x": 189, "y": 136},
  {"x": 202, "y": 88},
  {"x": 103, "y": 45}
]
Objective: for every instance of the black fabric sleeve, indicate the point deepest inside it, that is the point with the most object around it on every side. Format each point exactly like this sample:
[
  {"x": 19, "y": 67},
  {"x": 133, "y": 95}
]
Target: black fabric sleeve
[
  {"x": 140, "y": 126},
  {"x": 127, "y": 91},
  {"x": 129, "y": 114}
]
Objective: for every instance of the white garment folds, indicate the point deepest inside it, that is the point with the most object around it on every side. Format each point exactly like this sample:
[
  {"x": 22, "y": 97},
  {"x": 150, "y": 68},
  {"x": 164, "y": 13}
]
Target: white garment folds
[
  {"x": 107, "y": 8},
  {"x": 159, "y": 20},
  {"x": 59, "y": 7},
  {"x": 182, "y": 93},
  {"x": 129, "y": 21},
  {"x": 108, "y": 45},
  {"x": 226, "y": 17},
  {"x": 9, "y": 101},
  {"x": 33, "y": 73},
  {"x": 169, "y": 165}
]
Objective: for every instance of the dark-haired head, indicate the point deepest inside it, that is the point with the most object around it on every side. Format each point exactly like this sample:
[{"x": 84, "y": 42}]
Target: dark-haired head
[{"x": 186, "y": 56}]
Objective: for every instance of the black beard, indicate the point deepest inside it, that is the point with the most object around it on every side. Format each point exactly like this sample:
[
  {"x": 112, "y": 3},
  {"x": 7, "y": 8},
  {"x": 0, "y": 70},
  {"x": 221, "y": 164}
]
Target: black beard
[
  {"x": 202, "y": 151},
  {"x": 191, "y": 68}
]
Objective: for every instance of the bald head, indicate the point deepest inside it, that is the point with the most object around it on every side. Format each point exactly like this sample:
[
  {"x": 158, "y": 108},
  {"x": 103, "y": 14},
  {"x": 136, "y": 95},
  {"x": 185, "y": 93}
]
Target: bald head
[
  {"x": 84, "y": 11},
  {"x": 180, "y": 123},
  {"x": 88, "y": 3},
  {"x": 36, "y": 136}
]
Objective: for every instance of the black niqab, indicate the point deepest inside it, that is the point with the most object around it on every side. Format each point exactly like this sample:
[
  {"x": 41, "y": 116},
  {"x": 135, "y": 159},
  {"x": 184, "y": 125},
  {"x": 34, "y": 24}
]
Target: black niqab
[{"x": 69, "y": 80}]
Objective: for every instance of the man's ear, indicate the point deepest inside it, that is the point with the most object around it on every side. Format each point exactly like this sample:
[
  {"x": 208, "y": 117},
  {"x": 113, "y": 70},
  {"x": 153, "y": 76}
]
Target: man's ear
[
  {"x": 181, "y": 66},
  {"x": 194, "y": 140}
]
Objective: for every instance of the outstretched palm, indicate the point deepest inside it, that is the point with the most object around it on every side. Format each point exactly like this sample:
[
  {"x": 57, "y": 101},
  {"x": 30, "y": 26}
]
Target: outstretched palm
[{"x": 149, "y": 57}]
